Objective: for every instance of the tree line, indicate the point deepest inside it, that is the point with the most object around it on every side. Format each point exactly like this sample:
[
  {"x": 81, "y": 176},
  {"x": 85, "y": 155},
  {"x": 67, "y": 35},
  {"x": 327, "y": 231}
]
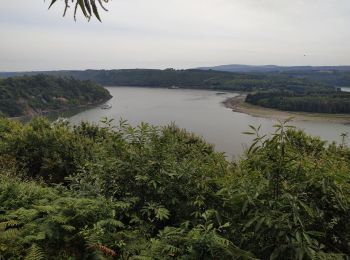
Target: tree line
[
  {"x": 321, "y": 102},
  {"x": 191, "y": 78}
]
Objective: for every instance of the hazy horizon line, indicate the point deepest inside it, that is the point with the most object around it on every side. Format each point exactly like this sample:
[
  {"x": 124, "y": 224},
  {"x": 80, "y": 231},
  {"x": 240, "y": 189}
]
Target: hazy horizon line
[{"x": 170, "y": 67}]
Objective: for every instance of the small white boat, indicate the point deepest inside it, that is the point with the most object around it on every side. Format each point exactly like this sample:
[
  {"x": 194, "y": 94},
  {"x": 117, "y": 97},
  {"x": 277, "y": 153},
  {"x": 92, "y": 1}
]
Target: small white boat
[{"x": 106, "y": 106}]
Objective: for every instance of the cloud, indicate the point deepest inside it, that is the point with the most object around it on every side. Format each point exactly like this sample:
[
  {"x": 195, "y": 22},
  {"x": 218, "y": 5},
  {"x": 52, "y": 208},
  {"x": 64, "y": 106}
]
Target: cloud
[{"x": 176, "y": 33}]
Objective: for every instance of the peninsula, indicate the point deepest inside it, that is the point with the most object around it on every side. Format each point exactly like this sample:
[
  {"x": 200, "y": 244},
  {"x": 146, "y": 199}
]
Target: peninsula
[{"x": 41, "y": 94}]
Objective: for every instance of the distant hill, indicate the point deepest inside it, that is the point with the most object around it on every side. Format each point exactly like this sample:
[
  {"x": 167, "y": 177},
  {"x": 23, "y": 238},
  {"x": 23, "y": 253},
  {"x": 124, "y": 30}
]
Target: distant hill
[
  {"x": 273, "y": 68},
  {"x": 31, "y": 95},
  {"x": 332, "y": 75},
  {"x": 241, "y": 77},
  {"x": 188, "y": 79}
]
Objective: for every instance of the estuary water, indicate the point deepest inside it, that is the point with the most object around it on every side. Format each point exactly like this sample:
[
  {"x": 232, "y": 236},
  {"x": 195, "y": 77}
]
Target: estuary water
[{"x": 198, "y": 111}]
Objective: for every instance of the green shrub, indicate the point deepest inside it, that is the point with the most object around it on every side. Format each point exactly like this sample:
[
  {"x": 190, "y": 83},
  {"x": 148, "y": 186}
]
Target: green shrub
[{"x": 122, "y": 192}]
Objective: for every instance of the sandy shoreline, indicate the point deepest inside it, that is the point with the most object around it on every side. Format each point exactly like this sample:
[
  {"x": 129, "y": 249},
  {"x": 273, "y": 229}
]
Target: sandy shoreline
[{"x": 237, "y": 104}]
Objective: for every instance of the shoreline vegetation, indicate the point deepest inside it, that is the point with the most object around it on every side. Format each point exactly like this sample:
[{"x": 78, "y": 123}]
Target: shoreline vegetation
[
  {"x": 309, "y": 91},
  {"x": 47, "y": 113},
  {"x": 238, "y": 104}
]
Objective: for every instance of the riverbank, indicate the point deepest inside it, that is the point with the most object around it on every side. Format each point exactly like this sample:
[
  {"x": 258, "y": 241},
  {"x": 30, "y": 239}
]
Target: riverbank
[
  {"x": 58, "y": 112},
  {"x": 238, "y": 104}
]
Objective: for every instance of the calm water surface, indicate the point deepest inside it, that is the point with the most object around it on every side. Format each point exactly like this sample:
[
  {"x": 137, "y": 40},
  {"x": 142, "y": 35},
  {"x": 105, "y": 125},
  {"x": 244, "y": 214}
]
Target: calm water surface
[{"x": 199, "y": 111}]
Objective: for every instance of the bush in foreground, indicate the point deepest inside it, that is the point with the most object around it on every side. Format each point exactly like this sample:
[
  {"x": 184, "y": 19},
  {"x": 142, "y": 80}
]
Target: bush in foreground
[{"x": 106, "y": 192}]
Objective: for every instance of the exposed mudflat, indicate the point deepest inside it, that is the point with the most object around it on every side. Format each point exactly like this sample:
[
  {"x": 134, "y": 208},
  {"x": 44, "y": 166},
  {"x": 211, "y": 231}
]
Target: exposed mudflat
[{"x": 238, "y": 104}]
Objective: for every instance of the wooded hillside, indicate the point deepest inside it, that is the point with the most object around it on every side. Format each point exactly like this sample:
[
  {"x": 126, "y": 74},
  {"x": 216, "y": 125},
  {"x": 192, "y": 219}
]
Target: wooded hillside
[{"x": 30, "y": 95}]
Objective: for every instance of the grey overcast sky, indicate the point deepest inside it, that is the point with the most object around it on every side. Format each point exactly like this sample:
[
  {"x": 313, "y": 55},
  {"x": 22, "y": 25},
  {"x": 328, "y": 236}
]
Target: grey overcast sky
[{"x": 175, "y": 33}]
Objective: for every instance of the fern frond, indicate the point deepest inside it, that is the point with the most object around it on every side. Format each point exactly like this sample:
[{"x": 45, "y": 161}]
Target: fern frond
[
  {"x": 35, "y": 252},
  {"x": 45, "y": 209},
  {"x": 12, "y": 223},
  {"x": 68, "y": 228},
  {"x": 110, "y": 223},
  {"x": 9, "y": 234},
  {"x": 60, "y": 219}
]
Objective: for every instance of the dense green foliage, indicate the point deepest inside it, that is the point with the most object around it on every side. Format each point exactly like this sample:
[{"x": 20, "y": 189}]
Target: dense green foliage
[
  {"x": 41, "y": 93},
  {"x": 194, "y": 79},
  {"x": 333, "y": 75},
  {"x": 105, "y": 192},
  {"x": 320, "y": 102},
  {"x": 329, "y": 76}
]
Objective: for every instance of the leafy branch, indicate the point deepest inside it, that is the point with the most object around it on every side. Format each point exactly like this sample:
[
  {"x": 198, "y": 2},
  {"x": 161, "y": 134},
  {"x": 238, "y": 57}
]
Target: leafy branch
[{"x": 89, "y": 8}]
